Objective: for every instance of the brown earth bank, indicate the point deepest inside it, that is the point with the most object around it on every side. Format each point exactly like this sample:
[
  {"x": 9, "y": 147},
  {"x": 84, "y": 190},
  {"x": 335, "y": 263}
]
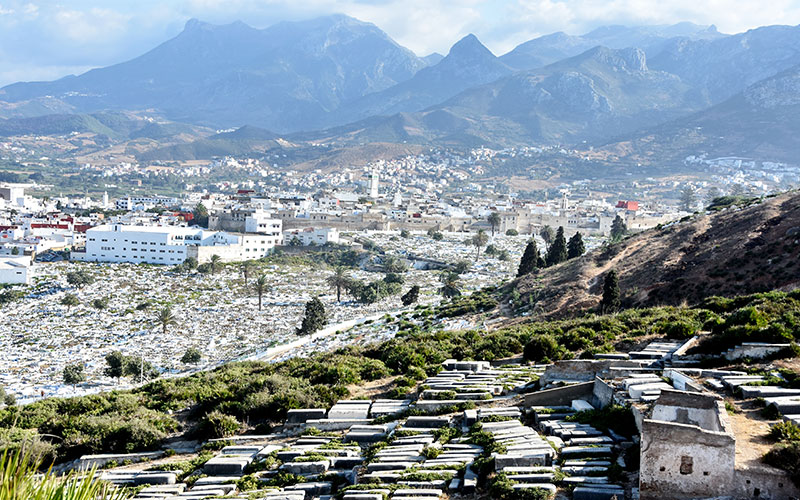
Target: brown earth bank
[{"x": 738, "y": 250}]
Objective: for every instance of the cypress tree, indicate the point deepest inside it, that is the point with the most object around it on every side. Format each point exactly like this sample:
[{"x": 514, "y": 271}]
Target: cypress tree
[
  {"x": 557, "y": 252},
  {"x": 530, "y": 259},
  {"x": 618, "y": 228},
  {"x": 611, "y": 300},
  {"x": 575, "y": 247},
  {"x": 314, "y": 318}
]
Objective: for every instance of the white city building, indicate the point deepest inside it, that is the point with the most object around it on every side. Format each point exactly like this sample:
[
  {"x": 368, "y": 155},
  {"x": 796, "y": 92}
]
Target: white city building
[
  {"x": 144, "y": 202},
  {"x": 15, "y": 270},
  {"x": 310, "y": 235},
  {"x": 172, "y": 245}
]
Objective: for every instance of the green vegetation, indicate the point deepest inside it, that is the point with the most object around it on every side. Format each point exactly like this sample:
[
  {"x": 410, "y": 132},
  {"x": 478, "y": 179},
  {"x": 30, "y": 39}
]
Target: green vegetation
[
  {"x": 785, "y": 432},
  {"x": 761, "y": 317},
  {"x": 314, "y": 318},
  {"x": 723, "y": 202},
  {"x": 20, "y": 479},
  {"x": 69, "y": 300},
  {"x": 575, "y": 247},
  {"x": 531, "y": 260},
  {"x": 217, "y": 402},
  {"x": 618, "y": 229},
  {"x": 611, "y": 294},
  {"x": 501, "y": 487},
  {"x": 73, "y": 374},
  {"x": 411, "y": 296},
  {"x": 80, "y": 278},
  {"x": 557, "y": 251},
  {"x": 191, "y": 356}
]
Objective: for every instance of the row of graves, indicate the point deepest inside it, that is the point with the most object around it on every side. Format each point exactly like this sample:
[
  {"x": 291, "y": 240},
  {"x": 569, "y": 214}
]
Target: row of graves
[
  {"x": 356, "y": 450},
  {"x": 474, "y": 429}
]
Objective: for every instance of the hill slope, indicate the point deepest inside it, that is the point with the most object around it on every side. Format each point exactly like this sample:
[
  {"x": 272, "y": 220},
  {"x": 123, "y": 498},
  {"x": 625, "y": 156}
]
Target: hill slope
[{"x": 735, "y": 251}]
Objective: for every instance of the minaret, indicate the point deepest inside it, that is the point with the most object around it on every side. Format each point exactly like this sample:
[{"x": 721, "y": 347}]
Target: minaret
[
  {"x": 564, "y": 202},
  {"x": 105, "y": 199},
  {"x": 373, "y": 184}
]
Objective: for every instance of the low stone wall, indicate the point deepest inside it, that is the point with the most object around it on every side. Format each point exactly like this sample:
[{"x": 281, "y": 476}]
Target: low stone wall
[
  {"x": 89, "y": 461},
  {"x": 560, "y": 396},
  {"x": 764, "y": 482},
  {"x": 602, "y": 394},
  {"x": 584, "y": 370}
]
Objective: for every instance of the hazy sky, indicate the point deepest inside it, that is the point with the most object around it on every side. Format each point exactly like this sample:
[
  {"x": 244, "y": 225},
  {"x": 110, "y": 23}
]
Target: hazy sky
[{"x": 44, "y": 39}]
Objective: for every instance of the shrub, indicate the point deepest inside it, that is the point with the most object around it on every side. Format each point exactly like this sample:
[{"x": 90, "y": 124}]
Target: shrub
[
  {"x": 785, "y": 431},
  {"x": 541, "y": 348},
  {"x": 679, "y": 329},
  {"x": 217, "y": 425}
]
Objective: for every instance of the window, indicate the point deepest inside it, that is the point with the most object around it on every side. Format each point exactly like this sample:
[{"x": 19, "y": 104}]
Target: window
[{"x": 687, "y": 464}]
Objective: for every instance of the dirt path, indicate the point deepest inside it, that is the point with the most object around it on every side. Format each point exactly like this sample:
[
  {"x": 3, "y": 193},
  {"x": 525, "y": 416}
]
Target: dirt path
[{"x": 751, "y": 430}]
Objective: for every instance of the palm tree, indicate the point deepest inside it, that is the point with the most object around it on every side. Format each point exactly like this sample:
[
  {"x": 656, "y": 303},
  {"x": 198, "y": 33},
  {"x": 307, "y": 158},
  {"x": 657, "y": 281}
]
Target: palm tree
[
  {"x": 165, "y": 318},
  {"x": 494, "y": 220},
  {"x": 261, "y": 287},
  {"x": 338, "y": 280},
  {"x": 216, "y": 261},
  {"x": 451, "y": 284},
  {"x": 479, "y": 240},
  {"x": 246, "y": 267}
]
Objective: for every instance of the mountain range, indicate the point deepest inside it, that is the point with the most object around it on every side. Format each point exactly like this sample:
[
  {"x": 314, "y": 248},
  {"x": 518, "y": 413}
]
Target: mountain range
[{"x": 341, "y": 80}]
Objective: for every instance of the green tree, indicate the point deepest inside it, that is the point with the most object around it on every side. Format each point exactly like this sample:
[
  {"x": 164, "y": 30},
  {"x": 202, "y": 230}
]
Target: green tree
[
  {"x": 260, "y": 287},
  {"x": 557, "y": 252},
  {"x": 461, "y": 266},
  {"x": 215, "y": 263},
  {"x": 165, "y": 318},
  {"x": 494, "y": 221},
  {"x": 338, "y": 281},
  {"x": 70, "y": 300},
  {"x": 314, "y": 318},
  {"x": 405, "y": 234},
  {"x": 611, "y": 294},
  {"x": 618, "y": 229},
  {"x": 575, "y": 247},
  {"x": 115, "y": 365},
  {"x": 192, "y": 356},
  {"x": 73, "y": 374},
  {"x": 15, "y": 251},
  {"x": 100, "y": 303},
  {"x": 79, "y": 278},
  {"x": 451, "y": 284},
  {"x": 479, "y": 240},
  {"x": 435, "y": 235},
  {"x": 411, "y": 296},
  {"x": 547, "y": 235},
  {"x": 392, "y": 264},
  {"x": 512, "y": 232},
  {"x": 530, "y": 259},
  {"x": 688, "y": 198},
  {"x": 200, "y": 215},
  {"x": 190, "y": 263}
]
